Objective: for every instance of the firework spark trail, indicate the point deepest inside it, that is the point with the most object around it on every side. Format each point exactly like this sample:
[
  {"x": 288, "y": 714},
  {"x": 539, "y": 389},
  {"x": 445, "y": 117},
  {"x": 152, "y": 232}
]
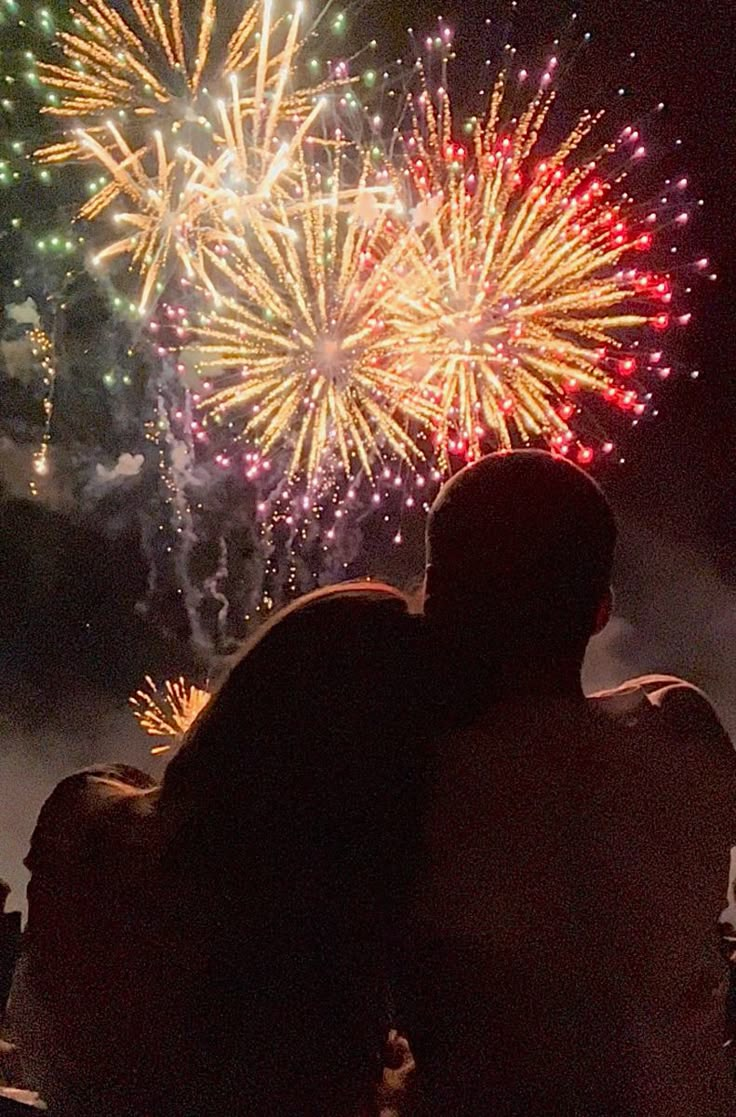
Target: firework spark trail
[
  {"x": 176, "y": 472},
  {"x": 43, "y": 354},
  {"x": 168, "y": 711}
]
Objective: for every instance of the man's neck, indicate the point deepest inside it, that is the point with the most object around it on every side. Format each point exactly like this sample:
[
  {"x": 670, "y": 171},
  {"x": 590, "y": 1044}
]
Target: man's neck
[
  {"x": 535, "y": 675},
  {"x": 525, "y": 673}
]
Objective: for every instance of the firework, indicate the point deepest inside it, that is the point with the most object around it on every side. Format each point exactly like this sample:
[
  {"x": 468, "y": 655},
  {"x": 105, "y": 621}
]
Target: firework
[
  {"x": 168, "y": 711},
  {"x": 43, "y": 353},
  {"x": 188, "y": 135},
  {"x": 466, "y": 296},
  {"x": 234, "y": 196},
  {"x": 515, "y": 294},
  {"x": 147, "y": 68},
  {"x": 302, "y": 351}
]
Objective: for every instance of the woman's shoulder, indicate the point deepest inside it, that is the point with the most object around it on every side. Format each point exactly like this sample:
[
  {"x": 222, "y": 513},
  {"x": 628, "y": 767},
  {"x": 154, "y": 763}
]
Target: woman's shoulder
[{"x": 93, "y": 801}]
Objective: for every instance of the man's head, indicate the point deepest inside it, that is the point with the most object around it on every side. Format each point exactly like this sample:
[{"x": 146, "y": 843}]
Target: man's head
[{"x": 519, "y": 550}]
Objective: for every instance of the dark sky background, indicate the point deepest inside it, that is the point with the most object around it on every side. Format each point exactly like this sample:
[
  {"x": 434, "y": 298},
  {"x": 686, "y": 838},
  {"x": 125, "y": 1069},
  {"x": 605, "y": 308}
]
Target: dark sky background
[{"x": 71, "y": 644}]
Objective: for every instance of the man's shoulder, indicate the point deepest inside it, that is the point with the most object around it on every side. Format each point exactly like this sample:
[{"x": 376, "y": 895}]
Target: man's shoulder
[
  {"x": 680, "y": 707},
  {"x": 652, "y": 685}
]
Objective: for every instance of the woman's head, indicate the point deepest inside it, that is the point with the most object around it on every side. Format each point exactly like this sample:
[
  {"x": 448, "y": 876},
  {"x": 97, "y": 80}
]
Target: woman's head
[
  {"x": 76, "y": 802},
  {"x": 318, "y": 665}
]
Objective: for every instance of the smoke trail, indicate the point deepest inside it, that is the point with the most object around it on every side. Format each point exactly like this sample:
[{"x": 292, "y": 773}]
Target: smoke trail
[
  {"x": 178, "y": 476},
  {"x": 212, "y": 587}
]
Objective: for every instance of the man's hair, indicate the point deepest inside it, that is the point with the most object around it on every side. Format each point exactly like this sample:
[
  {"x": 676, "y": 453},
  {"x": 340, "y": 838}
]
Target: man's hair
[{"x": 520, "y": 548}]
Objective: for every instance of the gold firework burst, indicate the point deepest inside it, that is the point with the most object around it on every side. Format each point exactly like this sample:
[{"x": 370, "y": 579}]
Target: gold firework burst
[
  {"x": 194, "y": 132},
  {"x": 513, "y": 284},
  {"x": 160, "y": 208},
  {"x": 171, "y": 204},
  {"x": 147, "y": 67},
  {"x": 301, "y": 350},
  {"x": 233, "y": 196}
]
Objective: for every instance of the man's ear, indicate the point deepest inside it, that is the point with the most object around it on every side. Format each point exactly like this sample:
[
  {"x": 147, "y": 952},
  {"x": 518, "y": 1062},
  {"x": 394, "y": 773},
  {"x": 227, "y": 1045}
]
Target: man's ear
[
  {"x": 430, "y": 580},
  {"x": 604, "y": 612},
  {"x": 435, "y": 587}
]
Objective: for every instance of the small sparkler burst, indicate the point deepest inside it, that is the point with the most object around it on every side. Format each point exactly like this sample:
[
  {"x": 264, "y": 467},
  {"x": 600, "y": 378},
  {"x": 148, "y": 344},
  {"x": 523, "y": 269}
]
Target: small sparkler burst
[
  {"x": 520, "y": 283},
  {"x": 168, "y": 711},
  {"x": 301, "y": 351}
]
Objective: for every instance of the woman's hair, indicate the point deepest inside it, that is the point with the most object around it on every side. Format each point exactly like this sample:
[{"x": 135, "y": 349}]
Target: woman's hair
[
  {"x": 326, "y": 669},
  {"x": 292, "y": 804}
]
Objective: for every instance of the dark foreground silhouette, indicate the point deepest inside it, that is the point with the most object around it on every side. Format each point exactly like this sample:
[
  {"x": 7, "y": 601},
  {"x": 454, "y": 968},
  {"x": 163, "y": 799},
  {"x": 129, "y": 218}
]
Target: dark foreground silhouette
[{"x": 387, "y": 819}]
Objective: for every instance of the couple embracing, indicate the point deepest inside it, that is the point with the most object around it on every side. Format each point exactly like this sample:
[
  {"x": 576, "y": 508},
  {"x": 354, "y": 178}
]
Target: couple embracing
[{"x": 388, "y": 821}]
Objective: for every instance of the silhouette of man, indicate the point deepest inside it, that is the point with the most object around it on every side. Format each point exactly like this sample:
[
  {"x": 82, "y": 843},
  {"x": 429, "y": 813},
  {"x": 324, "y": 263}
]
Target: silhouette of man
[{"x": 562, "y": 931}]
